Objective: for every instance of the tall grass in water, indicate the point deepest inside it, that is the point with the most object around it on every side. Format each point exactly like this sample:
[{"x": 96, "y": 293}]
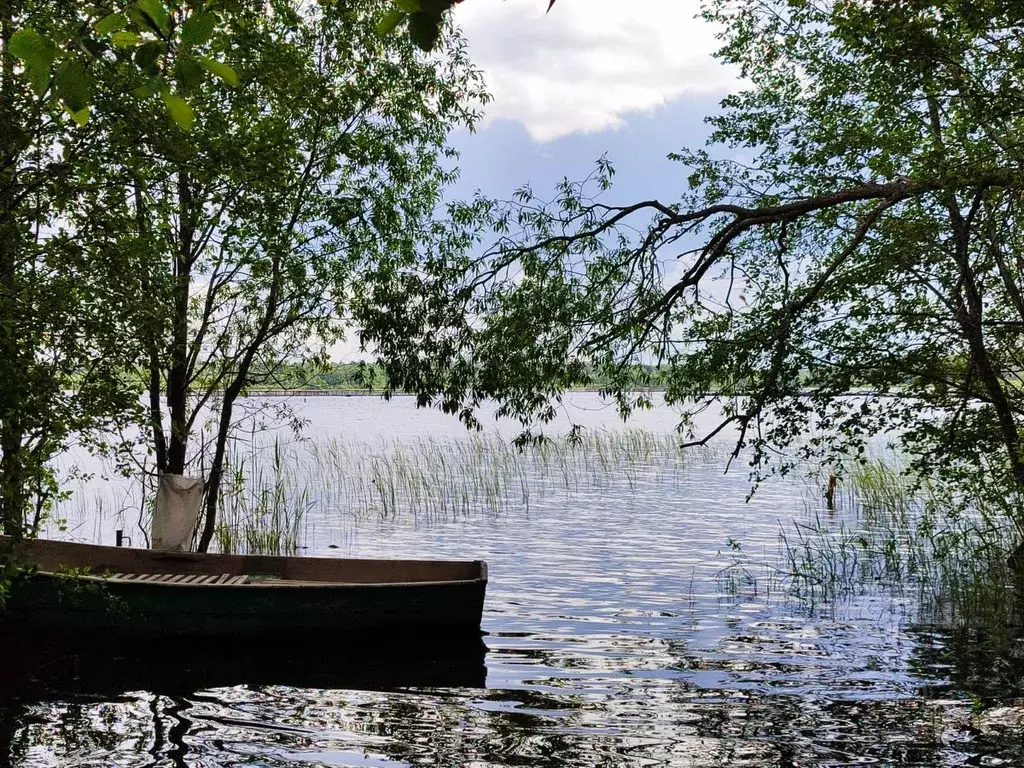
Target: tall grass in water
[
  {"x": 444, "y": 480},
  {"x": 269, "y": 494},
  {"x": 262, "y": 508},
  {"x": 271, "y": 489},
  {"x": 892, "y": 531}
]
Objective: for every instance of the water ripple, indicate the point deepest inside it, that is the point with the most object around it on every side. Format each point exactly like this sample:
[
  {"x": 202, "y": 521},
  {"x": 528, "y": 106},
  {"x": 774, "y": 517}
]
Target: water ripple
[{"x": 620, "y": 632}]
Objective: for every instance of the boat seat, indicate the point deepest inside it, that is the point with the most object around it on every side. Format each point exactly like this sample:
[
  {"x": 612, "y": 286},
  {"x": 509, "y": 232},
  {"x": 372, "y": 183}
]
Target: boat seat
[{"x": 192, "y": 579}]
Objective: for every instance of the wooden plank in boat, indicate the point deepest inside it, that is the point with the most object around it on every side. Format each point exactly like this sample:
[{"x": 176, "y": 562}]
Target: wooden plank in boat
[{"x": 191, "y": 580}]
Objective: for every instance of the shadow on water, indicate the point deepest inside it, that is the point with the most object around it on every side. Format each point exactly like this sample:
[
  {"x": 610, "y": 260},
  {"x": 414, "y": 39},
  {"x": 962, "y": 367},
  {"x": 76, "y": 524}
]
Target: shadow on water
[
  {"x": 41, "y": 669},
  {"x": 71, "y": 690},
  {"x": 325, "y": 704},
  {"x": 984, "y": 664}
]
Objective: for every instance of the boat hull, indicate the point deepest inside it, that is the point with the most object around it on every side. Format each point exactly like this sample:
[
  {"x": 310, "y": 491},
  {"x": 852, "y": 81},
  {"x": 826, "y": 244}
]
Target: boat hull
[
  {"x": 50, "y": 603},
  {"x": 69, "y": 589}
]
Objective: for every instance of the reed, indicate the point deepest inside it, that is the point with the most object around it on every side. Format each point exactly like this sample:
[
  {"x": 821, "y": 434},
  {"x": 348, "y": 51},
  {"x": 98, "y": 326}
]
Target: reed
[
  {"x": 273, "y": 488},
  {"x": 271, "y": 493},
  {"x": 945, "y": 551},
  {"x": 435, "y": 480},
  {"x": 262, "y": 508}
]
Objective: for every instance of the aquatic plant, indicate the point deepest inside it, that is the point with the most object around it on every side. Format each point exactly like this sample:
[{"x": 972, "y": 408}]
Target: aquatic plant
[
  {"x": 485, "y": 473},
  {"x": 272, "y": 488},
  {"x": 947, "y": 548},
  {"x": 263, "y": 507}
]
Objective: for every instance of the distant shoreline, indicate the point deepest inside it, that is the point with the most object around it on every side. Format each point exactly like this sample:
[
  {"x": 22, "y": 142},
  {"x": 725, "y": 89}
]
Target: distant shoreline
[
  {"x": 357, "y": 392},
  {"x": 581, "y": 390}
]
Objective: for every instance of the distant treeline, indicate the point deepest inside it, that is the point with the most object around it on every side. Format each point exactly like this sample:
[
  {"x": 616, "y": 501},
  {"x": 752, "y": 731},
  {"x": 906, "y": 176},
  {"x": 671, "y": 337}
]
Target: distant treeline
[
  {"x": 336, "y": 377},
  {"x": 360, "y": 377}
]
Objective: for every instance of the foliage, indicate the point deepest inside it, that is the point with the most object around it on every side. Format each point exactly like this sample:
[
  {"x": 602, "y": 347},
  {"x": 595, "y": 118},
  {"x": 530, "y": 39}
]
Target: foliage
[
  {"x": 424, "y": 19},
  {"x": 853, "y": 228},
  {"x": 251, "y": 230},
  {"x": 167, "y": 43},
  {"x": 364, "y": 377},
  {"x": 64, "y": 307},
  {"x": 317, "y": 375}
]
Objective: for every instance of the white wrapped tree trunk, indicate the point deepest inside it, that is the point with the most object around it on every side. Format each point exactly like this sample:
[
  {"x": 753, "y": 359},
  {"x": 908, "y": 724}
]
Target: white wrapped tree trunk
[{"x": 178, "y": 501}]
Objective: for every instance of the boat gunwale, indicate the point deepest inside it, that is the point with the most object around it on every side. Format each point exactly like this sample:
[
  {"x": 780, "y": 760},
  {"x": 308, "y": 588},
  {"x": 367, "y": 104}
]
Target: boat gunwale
[
  {"x": 273, "y": 571},
  {"x": 268, "y": 583}
]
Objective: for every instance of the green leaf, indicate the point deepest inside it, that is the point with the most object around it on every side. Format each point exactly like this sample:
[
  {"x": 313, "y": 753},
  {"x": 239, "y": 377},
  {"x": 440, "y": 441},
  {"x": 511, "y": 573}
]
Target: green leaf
[
  {"x": 409, "y": 6},
  {"x": 32, "y": 48},
  {"x": 81, "y": 116},
  {"x": 73, "y": 85},
  {"x": 110, "y": 24},
  {"x": 39, "y": 80},
  {"x": 125, "y": 39},
  {"x": 37, "y": 53},
  {"x": 189, "y": 71},
  {"x": 150, "y": 88},
  {"x": 146, "y": 57},
  {"x": 198, "y": 28},
  {"x": 424, "y": 29},
  {"x": 179, "y": 110},
  {"x": 391, "y": 20},
  {"x": 155, "y": 14},
  {"x": 220, "y": 69}
]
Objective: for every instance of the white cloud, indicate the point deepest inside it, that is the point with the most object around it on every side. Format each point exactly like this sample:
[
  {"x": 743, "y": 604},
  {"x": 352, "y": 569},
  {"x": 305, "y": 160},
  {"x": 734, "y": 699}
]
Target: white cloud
[{"x": 588, "y": 63}]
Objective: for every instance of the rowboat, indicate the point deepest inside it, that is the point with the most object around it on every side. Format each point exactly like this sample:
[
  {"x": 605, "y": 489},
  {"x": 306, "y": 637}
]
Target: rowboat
[{"x": 66, "y": 587}]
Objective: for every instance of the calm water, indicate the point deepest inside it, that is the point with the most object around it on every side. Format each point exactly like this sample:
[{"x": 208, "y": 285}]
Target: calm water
[{"x": 619, "y": 632}]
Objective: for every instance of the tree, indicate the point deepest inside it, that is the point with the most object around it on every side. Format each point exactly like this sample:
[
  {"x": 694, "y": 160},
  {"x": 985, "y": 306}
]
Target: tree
[
  {"x": 862, "y": 235},
  {"x": 63, "y": 61},
  {"x": 63, "y": 310},
  {"x": 251, "y": 229}
]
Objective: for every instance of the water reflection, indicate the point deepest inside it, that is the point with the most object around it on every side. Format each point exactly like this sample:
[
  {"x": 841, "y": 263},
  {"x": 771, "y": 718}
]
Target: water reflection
[
  {"x": 571, "y": 706},
  {"x": 619, "y": 634},
  {"x": 660, "y": 723},
  {"x": 44, "y": 668}
]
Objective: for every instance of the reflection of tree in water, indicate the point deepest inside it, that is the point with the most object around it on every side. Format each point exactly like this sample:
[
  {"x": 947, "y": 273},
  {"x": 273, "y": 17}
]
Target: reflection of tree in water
[
  {"x": 782, "y": 730},
  {"x": 169, "y": 742},
  {"x": 596, "y": 720},
  {"x": 88, "y": 733},
  {"x": 986, "y": 663},
  {"x": 14, "y": 738}
]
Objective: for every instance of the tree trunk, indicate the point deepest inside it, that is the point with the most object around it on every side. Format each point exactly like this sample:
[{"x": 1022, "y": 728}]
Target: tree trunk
[
  {"x": 970, "y": 316},
  {"x": 177, "y": 375},
  {"x": 216, "y": 475}
]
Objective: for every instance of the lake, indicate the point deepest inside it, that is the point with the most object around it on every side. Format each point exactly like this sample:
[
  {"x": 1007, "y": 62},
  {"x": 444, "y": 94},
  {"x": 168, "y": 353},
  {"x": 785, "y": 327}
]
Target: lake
[{"x": 633, "y": 618}]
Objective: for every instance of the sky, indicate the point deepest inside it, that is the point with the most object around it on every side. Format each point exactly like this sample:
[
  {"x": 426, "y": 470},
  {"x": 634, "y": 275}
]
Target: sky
[
  {"x": 630, "y": 79},
  {"x": 633, "y": 79}
]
